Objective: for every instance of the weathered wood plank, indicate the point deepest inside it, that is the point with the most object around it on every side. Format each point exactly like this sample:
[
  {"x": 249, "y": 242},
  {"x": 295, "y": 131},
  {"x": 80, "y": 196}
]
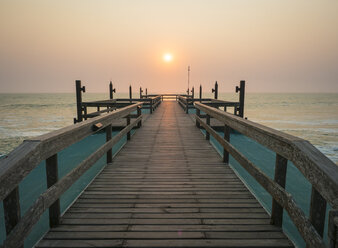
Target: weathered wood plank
[
  {"x": 166, "y": 185},
  {"x": 321, "y": 172}
]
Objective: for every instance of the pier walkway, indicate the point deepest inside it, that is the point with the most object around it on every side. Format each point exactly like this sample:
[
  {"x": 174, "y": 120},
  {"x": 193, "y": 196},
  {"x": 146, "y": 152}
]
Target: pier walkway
[{"x": 167, "y": 187}]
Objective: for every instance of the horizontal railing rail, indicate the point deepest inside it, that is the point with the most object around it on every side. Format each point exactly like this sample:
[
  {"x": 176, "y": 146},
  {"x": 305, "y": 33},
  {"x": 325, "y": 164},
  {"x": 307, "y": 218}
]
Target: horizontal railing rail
[
  {"x": 320, "y": 171},
  {"x": 150, "y": 102},
  {"x": 187, "y": 103},
  {"x": 21, "y": 161}
]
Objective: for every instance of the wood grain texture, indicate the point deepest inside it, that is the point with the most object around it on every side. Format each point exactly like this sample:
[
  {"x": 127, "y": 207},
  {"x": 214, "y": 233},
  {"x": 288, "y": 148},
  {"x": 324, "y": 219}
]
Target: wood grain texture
[
  {"x": 167, "y": 187},
  {"x": 319, "y": 170},
  {"x": 22, "y": 160},
  {"x": 278, "y": 193}
]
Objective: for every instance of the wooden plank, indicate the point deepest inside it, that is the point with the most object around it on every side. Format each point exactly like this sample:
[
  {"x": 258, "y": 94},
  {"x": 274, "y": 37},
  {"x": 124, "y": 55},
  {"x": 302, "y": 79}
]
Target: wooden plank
[
  {"x": 28, "y": 155},
  {"x": 46, "y": 199},
  {"x": 108, "y": 138},
  {"x": 320, "y": 171},
  {"x": 283, "y": 198},
  {"x": 167, "y": 185}
]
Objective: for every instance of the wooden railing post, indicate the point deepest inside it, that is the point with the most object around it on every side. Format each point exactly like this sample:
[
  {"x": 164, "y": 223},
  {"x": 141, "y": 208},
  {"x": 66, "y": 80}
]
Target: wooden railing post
[
  {"x": 198, "y": 113},
  {"x": 128, "y": 123},
  {"x": 111, "y": 90},
  {"x": 215, "y": 90},
  {"x": 333, "y": 228},
  {"x": 52, "y": 178},
  {"x": 187, "y": 106},
  {"x": 130, "y": 93},
  {"x": 280, "y": 178},
  {"x": 85, "y": 112},
  {"x": 108, "y": 137},
  {"x": 151, "y": 105},
  {"x": 227, "y": 138},
  {"x": 241, "y": 90},
  {"x": 317, "y": 211},
  {"x": 207, "y": 134},
  {"x": 200, "y": 93},
  {"x": 139, "y": 113},
  {"x": 12, "y": 210},
  {"x": 79, "y": 89}
]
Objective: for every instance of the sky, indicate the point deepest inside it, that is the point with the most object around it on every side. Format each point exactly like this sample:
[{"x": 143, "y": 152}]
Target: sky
[{"x": 276, "y": 46}]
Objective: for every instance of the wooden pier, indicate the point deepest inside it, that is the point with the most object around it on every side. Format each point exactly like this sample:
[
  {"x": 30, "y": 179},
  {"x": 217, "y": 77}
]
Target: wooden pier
[{"x": 168, "y": 187}]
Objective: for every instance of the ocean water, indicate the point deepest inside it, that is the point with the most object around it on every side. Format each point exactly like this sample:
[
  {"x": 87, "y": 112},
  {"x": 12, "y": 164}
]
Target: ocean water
[{"x": 313, "y": 117}]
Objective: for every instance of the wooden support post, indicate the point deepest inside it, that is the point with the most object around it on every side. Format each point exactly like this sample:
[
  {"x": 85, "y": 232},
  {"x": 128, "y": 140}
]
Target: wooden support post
[
  {"x": 85, "y": 112},
  {"x": 200, "y": 93},
  {"x": 215, "y": 91},
  {"x": 151, "y": 106},
  {"x": 141, "y": 92},
  {"x": 198, "y": 113},
  {"x": 207, "y": 134},
  {"x": 139, "y": 113},
  {"x": 128, "y": 123},
  {"x": 108, "y": 137},
  {"x": 241, "y": 90},
  {"x": 187, "y": 105},
  {"x": 227, "y": 138},
  {"x": 12, "y": 210},
  {"x": 146, "y": 92},
  {"x": 280, "y": 178},
  {"x": 235, "y": 110},
  {"x": 317, "y": 211},
  {"x": 52, "y": 178},
  {"x": 192, "y": 92},
  {"x": 225, "y": 108},
  {"x": 130, "y": 93},
  {"x": 79, "y": 89},
  {"x": 111, "y": 90},
  {"x": 333, "y": 228},
  {"x": 98, "y": 108}
]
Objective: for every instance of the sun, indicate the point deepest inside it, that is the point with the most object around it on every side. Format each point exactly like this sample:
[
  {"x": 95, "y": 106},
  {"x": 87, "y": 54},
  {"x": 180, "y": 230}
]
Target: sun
[{"x": 167, "y": 57}]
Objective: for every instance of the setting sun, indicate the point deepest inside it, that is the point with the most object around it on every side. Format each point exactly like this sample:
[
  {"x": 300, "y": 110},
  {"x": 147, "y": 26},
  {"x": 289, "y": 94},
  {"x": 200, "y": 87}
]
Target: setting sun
[{"x": 167, "y": 57}]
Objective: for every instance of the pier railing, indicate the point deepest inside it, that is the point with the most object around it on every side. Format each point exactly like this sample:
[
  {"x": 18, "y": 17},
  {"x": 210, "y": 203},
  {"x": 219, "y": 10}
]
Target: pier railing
[
  {"x": 20, "y": 162},
  {"x": 320, "y": 171},
  {"x": 188, "y": 103},
  {"x": 105, "y": 106}
]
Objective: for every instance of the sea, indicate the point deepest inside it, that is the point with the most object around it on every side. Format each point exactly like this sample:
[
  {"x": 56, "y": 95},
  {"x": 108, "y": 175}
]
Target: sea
[{"x": 313, "y": 117}]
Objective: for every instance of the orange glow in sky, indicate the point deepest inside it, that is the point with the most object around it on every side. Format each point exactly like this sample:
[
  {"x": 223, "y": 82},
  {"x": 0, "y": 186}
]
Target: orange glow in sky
[{"x": 276, "y": 46}]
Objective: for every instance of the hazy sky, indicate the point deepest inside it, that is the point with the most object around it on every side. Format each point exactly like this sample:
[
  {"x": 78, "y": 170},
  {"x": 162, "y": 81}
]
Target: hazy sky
[{"x": 275, "y": 45}]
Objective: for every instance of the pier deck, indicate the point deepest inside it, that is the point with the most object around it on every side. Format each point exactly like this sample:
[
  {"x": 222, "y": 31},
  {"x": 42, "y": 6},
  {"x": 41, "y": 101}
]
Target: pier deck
[{"x": 166, "y": 188}]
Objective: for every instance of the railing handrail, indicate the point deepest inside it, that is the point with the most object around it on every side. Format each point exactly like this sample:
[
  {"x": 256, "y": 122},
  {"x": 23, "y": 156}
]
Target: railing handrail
[
  {"x": 22, "y": 160},
  {"x": 319, "y": 170}
]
